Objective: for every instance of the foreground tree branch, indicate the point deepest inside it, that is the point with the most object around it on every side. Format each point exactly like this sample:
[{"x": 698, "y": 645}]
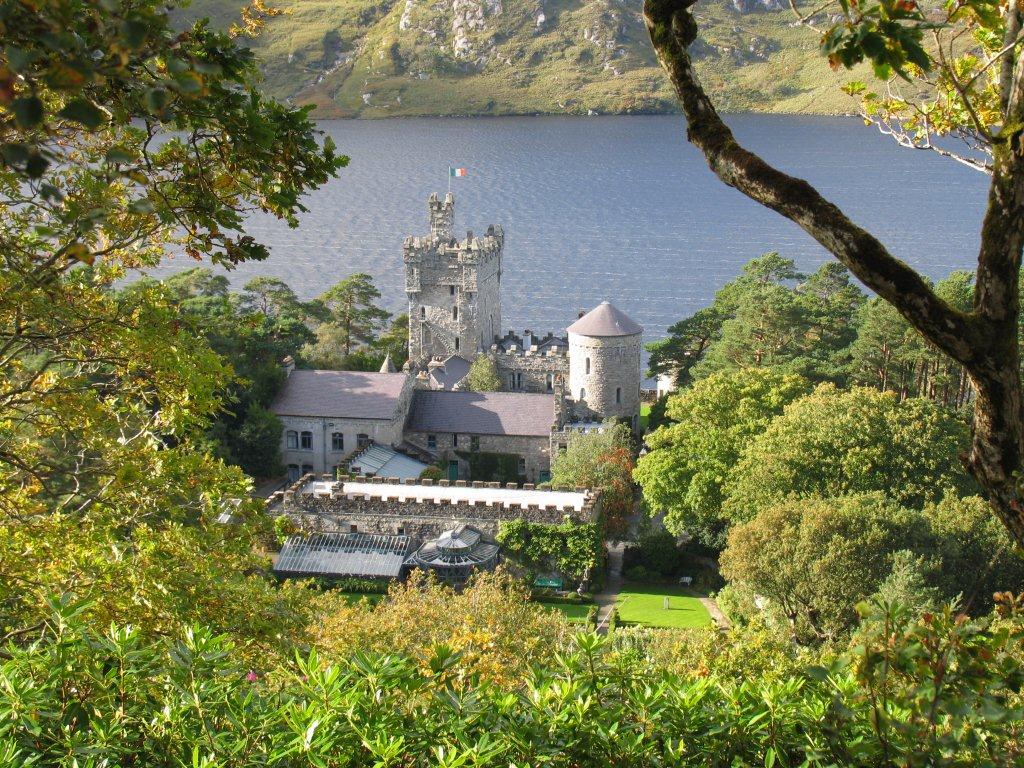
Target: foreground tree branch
[{"x": 984, "y": 341}]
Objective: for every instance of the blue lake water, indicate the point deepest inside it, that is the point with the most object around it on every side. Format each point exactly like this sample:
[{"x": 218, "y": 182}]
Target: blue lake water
[{"x": 618, "y": 208}]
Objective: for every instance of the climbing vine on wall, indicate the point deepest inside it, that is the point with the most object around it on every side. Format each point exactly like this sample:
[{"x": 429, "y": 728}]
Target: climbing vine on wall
[{"x": 571, "y": 549}]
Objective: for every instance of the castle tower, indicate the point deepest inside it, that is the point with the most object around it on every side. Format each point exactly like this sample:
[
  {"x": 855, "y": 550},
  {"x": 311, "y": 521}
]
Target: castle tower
[
  {"x": 604, "y": 365},
  {"x": 442, "y": 216},
  {"x": 453, "y": 288}
]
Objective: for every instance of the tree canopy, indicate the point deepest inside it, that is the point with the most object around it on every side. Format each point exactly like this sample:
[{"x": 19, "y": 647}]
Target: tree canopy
[
  {"x": 985, "y": 339},
  {"x": 688, "y": 462}
]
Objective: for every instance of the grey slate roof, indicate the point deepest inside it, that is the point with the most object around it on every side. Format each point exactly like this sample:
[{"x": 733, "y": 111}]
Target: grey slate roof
[
  {"x": 451, "y": 373},
  {"x": 605, "y": 320},
  {"x": 341, "y": 394},
  {"x": 482, "y": 413}
]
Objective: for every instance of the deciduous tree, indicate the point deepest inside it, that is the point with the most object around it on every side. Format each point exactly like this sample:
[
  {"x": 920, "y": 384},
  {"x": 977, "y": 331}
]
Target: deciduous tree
[{"x": 984, "y": 340}]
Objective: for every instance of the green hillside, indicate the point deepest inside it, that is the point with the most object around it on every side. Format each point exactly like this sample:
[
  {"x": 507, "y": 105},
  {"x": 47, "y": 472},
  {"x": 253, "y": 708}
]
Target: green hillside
[{"x": 381, "y": 58}]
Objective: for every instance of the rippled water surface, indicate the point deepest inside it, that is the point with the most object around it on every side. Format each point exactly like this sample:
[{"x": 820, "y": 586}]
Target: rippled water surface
[{"x": 617, "y": 208}]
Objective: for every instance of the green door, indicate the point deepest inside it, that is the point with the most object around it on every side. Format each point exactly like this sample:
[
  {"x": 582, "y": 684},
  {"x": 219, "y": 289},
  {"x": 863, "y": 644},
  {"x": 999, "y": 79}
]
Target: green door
[{"x": 453, "y": 470}]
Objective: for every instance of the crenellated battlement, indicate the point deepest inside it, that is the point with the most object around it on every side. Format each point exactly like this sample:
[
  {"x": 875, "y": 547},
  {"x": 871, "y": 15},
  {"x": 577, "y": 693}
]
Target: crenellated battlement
[
  {"x": 423, "y": 505},
  {"x": 530, "y": 345}
]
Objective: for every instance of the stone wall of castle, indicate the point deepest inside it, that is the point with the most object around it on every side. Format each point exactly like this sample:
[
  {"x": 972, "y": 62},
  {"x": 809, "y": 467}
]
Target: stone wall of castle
[
  {"x": 604, "y": 377},
  {"x": 379, "y": 509},
  {"x": 453, "y": 287},
  {"x": 534, "y": 451},
  {"x": 530, "y": 371}
]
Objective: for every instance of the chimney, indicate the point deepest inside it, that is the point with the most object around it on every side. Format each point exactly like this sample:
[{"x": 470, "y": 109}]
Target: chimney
[
  {"x": 289, "y": 365},
  {"x": 527, "y": 339}
]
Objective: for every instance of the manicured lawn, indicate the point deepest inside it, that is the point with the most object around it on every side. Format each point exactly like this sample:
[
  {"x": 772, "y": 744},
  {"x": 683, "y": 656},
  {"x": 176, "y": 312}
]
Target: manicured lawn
[
  {"x": 644, "y": 604},
  {"x": 645, "y": 416},
  {"x": 576, "y": 613}
]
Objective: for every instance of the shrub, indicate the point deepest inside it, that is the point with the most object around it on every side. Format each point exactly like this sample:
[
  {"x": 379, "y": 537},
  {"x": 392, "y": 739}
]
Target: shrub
[{"x": 432, "y": 473}]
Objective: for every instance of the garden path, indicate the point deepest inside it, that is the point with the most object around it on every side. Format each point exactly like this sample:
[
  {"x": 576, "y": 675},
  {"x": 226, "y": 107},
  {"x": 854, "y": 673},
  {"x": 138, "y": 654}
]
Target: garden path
[{"x": 613, "y": 585}]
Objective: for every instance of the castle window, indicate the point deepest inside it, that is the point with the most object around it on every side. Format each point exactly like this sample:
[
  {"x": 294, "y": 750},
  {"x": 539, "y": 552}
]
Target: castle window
[
  {"x": 583, "y": 393},
  {"x": 306, "y": 441},
  {"x": 588, "y": 366},
  {"x": 550, "y": 382},
  {"x": 474, "y": 443},
  {"x": 292, "y": 439},
  {"x": 455, "y": 441},
  {"x": 511, "y": 381},
  {"x": 431, "y": 441},
  {"x": 519, "y": 381},
  {"x": 455, "y": 313},
  {"x": 456, "y": 343},
  {"x": 423, "y": 312},
  {"x": 337, "y": 441},
  {"x": 362, "y": 440},
  {"x": 451, "y": 290},
  {"x": 618, "y": 395},
  {"x": 522, "y": 466}
]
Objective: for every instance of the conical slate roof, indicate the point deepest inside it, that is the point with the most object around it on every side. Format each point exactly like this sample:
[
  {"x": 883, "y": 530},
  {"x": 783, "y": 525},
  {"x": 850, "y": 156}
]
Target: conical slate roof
[{"x": 605, "y": 320}]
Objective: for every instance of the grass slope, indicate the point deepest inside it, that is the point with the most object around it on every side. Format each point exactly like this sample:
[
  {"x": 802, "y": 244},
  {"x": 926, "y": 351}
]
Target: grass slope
[{"x": 383, "y": 58}]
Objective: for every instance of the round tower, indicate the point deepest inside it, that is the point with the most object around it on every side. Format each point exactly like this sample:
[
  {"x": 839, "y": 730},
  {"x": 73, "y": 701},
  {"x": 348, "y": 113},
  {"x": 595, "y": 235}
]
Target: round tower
[{"x": 604, "y": 365}]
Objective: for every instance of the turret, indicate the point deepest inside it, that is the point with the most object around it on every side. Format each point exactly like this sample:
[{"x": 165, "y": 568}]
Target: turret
[
  {"x": 604, "y": 365},
  {"x": 442, "y": 216}
]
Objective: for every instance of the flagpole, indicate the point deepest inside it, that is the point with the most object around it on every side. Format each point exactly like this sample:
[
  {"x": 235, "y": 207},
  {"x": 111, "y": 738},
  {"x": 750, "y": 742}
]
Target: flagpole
[{"x": 449, "y": 179}]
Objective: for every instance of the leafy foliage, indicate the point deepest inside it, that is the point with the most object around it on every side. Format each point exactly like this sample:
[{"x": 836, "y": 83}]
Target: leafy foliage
[
  {"x": 913, "y": 693},
  {"x": 483, "y": 376},
  {"x": 688, "y": 463},
  {"x": 602, "y": 460},
  {"x": 832, "y": 443},
  {"x": 574, "y": 550}
]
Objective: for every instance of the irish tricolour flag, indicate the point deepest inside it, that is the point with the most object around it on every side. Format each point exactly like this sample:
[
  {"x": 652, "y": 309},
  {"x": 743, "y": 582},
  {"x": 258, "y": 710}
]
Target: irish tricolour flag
[{"x": 456, "y": 173}]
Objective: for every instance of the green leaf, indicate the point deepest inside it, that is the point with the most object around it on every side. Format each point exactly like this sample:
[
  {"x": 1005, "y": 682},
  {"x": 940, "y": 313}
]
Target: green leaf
[
  {"x": 28, "y": 111},
  {"x": 84, "y": 112},
  {"x": 119, "y": 154}
]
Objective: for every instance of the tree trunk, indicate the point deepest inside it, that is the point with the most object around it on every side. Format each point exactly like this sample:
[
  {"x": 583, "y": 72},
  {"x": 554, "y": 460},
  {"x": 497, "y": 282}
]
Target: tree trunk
[{"x": 984, "y": 341}]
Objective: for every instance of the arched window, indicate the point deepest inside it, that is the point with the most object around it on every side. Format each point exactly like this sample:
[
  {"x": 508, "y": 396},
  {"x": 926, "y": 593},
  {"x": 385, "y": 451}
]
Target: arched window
[
  {"x": 456, "y": 343},
  {"x": 337, "y": 441},
  {"x": 583, "y": 393},
  {"x": 362, "y": 440},
  {"x": 455, "y": 313},
  {"x": 423, "y": 312},
  {"x": 618, "y": 395},
  {"x": 588, "y": 366},
  {"x": 306, "y": 441},
  {"x": 292, "y": 440},
  {"x": 550, "y": 382}
]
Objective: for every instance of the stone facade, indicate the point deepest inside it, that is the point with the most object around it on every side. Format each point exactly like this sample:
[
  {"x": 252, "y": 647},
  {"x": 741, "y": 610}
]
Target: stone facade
[
  {"x": 453, "y": 287},
  {"x": 530, "y": 370},
  {"x": 322, "y": 457},
  {"x": 604, "y": 377},
  {"x": 425, "y": 510},
  {"x": 534, "y": 451}
]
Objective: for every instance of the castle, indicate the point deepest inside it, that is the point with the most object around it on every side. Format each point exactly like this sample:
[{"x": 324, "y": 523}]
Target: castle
[
  {"x": 395, "y": 424},
  {"x": 454, "y": 292},
  {"x": 388, "y": 428}
]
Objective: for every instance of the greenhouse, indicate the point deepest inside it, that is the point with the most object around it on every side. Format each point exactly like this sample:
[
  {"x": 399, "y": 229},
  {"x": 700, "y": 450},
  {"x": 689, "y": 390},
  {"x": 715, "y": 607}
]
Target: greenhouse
[
  {"x": 455, "y": 554},
  {"x": 340, "y": 555}
]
